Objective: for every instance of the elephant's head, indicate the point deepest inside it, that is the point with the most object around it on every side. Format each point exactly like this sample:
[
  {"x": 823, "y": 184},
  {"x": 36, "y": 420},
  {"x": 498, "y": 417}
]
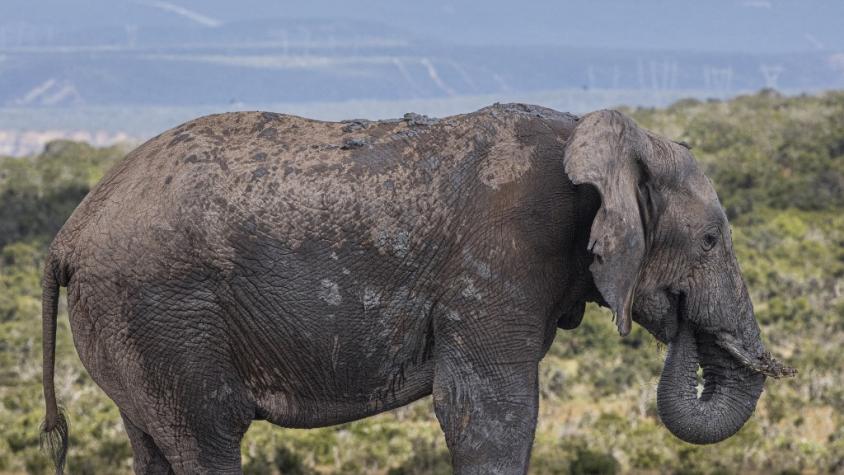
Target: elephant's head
[{"x": 663, "y": 257}]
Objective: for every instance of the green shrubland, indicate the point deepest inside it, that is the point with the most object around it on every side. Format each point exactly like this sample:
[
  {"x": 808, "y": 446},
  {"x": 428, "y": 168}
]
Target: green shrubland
[{"x": 778, "y": 165}]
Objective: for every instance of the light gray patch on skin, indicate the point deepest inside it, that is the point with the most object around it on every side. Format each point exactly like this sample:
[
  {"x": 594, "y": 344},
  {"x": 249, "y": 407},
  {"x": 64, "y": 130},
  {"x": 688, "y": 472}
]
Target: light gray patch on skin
[
  {"x": 470, "y": 291},
  {"x": 370, "y": 298},
  {"x": 453, "y": 316},
  {"x": 334, "y": 255},
  {"x": 346, "y": 271},
  {"x": 399, "y": 244},
  {"x": 481, "y": 268},
  {"x": 507, "y": 162},
  {"x": 329, "y": 292},
  {"x": 335, "y": 352}
]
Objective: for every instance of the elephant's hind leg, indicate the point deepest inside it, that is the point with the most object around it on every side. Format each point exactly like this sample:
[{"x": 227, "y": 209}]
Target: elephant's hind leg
[
  {"x": 148, "y": 458},
  {"x": 181, "y": 378},
  {"x": 196, "y": 419},
  {"x": 194, "y": 433}
]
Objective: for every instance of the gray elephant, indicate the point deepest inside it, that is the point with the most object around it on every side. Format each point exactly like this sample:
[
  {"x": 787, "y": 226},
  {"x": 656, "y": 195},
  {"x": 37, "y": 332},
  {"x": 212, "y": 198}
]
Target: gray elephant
[{"x": 257, "y": 266}]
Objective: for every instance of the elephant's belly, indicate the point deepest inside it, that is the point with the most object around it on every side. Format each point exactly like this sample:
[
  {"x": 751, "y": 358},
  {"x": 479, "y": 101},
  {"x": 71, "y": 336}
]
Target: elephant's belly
[
  {"x": 315, "y": 405},
  {"x": 353, "y": 355},
  {"x": 324, "y": 381}
]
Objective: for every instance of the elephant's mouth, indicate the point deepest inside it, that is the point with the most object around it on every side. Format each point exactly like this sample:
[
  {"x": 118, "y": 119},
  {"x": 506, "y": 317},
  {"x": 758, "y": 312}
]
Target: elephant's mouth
[{"x": 757, "y": 360}]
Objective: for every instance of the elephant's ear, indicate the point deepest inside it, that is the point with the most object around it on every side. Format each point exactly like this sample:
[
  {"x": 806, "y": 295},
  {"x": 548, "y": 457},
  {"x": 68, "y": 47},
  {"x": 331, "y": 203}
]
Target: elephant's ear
[{"x": 606, "y": 150}]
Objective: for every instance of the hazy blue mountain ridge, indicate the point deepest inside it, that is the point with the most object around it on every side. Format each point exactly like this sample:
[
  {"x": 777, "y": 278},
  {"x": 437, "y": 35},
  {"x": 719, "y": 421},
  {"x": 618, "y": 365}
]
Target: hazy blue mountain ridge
[
  {"x": 279, "y": 60},
  {"x": 136, "y": 67}
]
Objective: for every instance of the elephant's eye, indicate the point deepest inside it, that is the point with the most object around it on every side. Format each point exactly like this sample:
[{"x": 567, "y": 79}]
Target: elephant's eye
[{"x": 710, "y": 239}]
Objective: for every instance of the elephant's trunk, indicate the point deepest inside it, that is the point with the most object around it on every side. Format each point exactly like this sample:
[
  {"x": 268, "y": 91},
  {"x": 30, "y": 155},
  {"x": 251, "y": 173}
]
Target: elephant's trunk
[{"x": 729, "y": 395}]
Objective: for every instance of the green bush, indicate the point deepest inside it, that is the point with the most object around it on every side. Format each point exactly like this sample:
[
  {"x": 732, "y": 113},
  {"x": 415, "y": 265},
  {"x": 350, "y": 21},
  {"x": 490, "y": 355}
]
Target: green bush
[{"x": 588, "y": 462}]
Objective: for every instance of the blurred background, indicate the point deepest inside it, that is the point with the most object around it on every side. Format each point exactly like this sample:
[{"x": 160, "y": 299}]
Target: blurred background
[
  {"x": 755, "y": 86},
  {"x": 110, "y": 70}
]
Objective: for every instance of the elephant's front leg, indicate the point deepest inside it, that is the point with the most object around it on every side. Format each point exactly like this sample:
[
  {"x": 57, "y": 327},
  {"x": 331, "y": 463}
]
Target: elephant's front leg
[{"x": 486, "y": 398}]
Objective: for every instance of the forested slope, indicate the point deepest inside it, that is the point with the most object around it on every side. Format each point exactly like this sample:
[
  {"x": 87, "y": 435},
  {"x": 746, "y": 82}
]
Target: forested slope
[{"x": 778, "y": 165}]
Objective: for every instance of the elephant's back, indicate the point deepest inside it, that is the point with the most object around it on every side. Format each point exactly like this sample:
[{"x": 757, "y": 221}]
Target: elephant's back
[
  {"x": 202, "y": 187},
  {"x": 252, "y": 155},
  {"x": 204, "y": 183}
]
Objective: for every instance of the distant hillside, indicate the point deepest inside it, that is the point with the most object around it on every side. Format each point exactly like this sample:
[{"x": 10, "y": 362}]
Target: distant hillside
[
  {"x": 136, "y": 67},
  {"x": 282, "y": 60},
  {"x": 751, "y": 26}
]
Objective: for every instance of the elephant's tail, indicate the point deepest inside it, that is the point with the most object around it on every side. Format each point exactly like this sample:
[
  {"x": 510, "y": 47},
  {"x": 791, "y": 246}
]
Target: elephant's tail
[{"x": 54, "y": 430}]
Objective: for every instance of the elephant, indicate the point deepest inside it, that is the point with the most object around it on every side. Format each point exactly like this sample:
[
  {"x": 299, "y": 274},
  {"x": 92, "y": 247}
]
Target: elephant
[{"x": 258, "y": 266}]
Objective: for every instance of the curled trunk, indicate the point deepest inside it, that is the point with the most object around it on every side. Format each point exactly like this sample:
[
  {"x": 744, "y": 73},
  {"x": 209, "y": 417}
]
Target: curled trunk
[{"x": 729, "y": 395}]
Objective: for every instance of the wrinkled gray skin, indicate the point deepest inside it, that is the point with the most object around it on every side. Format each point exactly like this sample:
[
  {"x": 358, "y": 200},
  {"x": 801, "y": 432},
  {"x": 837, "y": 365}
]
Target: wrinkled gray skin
[{"x": 252, "y": 266}]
